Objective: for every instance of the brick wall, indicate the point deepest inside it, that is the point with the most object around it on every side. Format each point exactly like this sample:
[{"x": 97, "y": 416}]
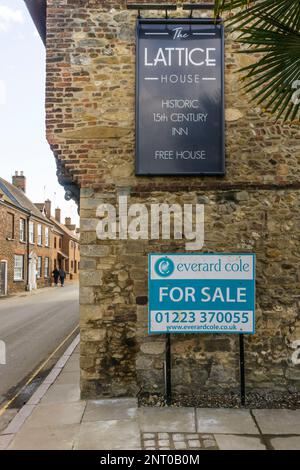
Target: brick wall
[
  {"x": 43, "y": 251},
  {"x": 90, "y": 98},
  {"x": 11, "y": 247},
  {"x": 8, "y": 248}
]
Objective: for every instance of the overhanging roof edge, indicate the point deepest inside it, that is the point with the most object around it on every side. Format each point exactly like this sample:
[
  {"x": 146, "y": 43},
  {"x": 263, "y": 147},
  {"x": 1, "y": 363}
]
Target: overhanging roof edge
[{"x": 37, "y": 10}]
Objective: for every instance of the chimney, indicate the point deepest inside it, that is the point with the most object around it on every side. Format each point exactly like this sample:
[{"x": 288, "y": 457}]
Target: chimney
[
  {"x": 57, "y": 214},
  {"x": 69, "y": 225},
  {"x": 19, "y": 181},
  {"x": 48, "y": 208}
]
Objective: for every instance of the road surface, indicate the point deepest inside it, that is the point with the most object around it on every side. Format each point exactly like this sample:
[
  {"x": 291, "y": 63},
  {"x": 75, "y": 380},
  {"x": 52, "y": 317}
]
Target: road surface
[{"x": 32, "y": 326}]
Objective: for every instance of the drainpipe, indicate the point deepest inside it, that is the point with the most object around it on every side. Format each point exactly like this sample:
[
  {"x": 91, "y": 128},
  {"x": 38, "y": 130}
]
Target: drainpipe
[{"x": 28, "y": 252}]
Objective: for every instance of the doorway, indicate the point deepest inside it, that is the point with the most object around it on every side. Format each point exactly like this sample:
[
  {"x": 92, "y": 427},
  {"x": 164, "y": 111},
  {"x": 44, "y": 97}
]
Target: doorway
[
  {"x": 32, "y": 271},
  {"x": 3, "y": 278}
]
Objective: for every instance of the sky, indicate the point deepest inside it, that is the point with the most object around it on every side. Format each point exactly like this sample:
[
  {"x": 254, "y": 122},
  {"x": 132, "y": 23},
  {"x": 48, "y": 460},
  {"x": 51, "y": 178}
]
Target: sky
[{"x": 23, "y": 145}]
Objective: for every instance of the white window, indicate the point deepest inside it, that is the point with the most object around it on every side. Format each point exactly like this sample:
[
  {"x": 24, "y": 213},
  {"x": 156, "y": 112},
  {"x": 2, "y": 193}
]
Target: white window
[
  {"x": 40, "y": 238},
  {"x": 31, "y": 232},
  {"x": 22, "y": 230},
  {"x": 10, "y": 226},
  {"x": 46, "y": 267},
  {"x": 39, "y": 267},
  {"x": 19, "y": 268},
  {"x": 47, "y": 236}
]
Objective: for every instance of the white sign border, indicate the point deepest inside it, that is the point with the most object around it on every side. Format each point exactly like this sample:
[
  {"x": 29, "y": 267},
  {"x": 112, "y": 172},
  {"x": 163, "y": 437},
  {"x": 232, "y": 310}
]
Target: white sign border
[{"x": 150, "y": 332}]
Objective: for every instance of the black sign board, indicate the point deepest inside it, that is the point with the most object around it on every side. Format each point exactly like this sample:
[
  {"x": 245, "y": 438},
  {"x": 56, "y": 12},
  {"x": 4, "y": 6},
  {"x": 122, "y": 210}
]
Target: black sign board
[{"x": 180, "y": 97}]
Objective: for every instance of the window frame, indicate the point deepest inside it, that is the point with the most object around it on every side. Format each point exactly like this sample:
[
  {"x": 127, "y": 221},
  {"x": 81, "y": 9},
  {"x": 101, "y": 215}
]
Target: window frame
[
  {"x": 46, "y": 267},
  {"x": 40, "y": 235},
  {"x": 22, "y": 229},
  {"x": 31, "y": 239},
  {"x": 11, "y": 235},
  {"x": 47, "y": 237},
  {"x": 19, "y": 278},
  {"x": 39, "y": 267}
]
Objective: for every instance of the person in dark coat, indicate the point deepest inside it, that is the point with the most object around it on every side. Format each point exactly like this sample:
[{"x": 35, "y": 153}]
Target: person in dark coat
[
  {"x": 62, "y": 275},
  {"x": 55, "y": 275}
]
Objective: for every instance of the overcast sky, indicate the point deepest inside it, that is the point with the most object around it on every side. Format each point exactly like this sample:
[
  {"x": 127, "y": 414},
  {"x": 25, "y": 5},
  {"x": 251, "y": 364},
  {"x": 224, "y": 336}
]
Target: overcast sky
[{"x": 23, "y": 145}]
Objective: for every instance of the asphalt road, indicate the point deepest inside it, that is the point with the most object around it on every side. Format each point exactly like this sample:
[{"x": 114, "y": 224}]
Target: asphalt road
[{"x": 32, "y": 326}]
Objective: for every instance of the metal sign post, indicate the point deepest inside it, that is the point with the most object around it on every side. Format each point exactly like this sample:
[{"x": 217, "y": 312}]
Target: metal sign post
[
  {"x": 202, "y": 293},
  {"x": 242, "y": 370},
  {"x": 168, "y": 369}
]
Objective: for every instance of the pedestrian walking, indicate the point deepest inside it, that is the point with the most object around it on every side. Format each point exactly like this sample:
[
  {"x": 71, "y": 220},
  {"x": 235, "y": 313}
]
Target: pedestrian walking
[
  {"x": 62, "y": 275},
  {"x": 55, "y": 274}
]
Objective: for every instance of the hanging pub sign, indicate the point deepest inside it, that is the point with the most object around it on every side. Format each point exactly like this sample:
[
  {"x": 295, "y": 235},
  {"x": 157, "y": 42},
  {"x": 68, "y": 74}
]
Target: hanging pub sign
[{"x": 180, "y": 97}]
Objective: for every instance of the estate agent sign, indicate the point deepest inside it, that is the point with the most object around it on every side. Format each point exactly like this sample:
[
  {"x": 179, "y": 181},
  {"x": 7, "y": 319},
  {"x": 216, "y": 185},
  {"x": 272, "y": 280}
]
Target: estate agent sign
[
  {"x": 201, "y": 293},
  {"x": 180, "y": 97}
]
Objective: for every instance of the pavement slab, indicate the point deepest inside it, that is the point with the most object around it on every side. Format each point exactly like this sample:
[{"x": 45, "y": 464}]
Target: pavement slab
[
  {"x": 5, "y": 441},
  {"x": 38, "y": 394},
  {"x": 278, "y": 421},
  {"x": 55, "y": 414},
  {"x": 72, "y": 367},
  {"x": 109, "y": 435},
  {"x": 46, "y": 438},
  {"x": 234, "y": 442},
  {"x": 74, "y": 359},
  {"x": 110, "y": 409},
  {"x": 62, "y": 393},
  {"x": 286, "y": 443},
  {"x": 167, "y": 419},
  {"x": 225, "y": 421},
  {"x": 50, "y": 379},
  {"x": 68, "y": 378},
  {"x": 7, "y": 417},
  {"x": 16, "y": 423}
]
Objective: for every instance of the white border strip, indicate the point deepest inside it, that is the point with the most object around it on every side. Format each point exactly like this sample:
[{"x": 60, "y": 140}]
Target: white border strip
[
  {"x": 204, "y": 34},
  {"x": 156, "y": 34}
]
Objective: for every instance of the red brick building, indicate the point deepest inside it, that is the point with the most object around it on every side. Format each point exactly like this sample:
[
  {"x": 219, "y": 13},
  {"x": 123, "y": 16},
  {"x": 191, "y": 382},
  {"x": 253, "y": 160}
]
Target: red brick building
[
  {"x": 25, "y": 240},
  {"x": 65, "y": 251},
  {"x": 32, "y": 241}
]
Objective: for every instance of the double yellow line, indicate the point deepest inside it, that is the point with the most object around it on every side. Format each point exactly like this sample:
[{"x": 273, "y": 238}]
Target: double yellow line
[{"x": 35, "y": 373}]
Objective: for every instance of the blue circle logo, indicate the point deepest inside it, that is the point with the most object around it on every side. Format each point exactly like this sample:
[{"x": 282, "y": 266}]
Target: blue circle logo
[{"x": 164, "y": 267}]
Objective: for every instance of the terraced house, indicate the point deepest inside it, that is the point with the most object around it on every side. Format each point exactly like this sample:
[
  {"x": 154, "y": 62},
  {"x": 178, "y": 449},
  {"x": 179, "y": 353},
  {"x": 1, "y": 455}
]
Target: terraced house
[
  {"x": 25, "y": 240},
  {"x": 65, "y": 252},
  {"x": 32, "y": 241}
]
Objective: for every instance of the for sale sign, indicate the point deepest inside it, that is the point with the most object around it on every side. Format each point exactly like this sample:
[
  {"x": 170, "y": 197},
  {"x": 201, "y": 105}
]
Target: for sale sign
[{"x": 201, "y": 293}]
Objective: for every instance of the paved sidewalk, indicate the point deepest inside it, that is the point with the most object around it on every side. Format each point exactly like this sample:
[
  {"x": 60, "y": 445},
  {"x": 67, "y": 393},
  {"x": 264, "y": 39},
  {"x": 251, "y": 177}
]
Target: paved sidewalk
[
  {"x": 56, "y": 418},
  {"x": 33, "y": 292}
]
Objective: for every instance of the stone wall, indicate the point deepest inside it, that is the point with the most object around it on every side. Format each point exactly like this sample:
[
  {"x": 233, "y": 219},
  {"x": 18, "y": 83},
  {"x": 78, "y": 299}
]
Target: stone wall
[{"x": 90, "y": 102}]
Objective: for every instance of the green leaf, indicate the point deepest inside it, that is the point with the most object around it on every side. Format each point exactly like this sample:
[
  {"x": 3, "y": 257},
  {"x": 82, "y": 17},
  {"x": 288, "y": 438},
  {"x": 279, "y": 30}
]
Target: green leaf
[{"x": 270, "y": 28}]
